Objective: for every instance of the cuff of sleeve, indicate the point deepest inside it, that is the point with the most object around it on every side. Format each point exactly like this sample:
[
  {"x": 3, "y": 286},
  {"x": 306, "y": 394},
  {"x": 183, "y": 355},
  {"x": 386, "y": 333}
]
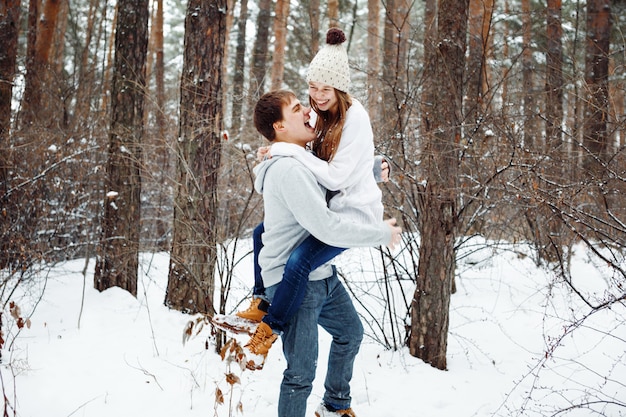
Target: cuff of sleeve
[{"x": 378, "y": 171}]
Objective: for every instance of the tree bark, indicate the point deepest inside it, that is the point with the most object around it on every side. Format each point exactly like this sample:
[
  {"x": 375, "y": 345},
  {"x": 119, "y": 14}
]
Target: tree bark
[
  {"x": 554, "y": 76},
  {"x": 40, "y": 36},
  {"x": 530, "y": 129},
  {"x": 57, "y": 51},
  {"x": 506, "y": 36},
  {"x": 240, "y": 61},
  {"x": 159, "y": 71},
  {"x": 595, "y": 138},
  {"x": 396, "y": 41},
  {"x": 191, "y": 279},
  {"x": 118, "y": 255},
  {"x": 480, "y": 16},
  {"x": 280, "y": 43},
  {"x": 9, "y": 32},
  {"x": 430, "y": 54},
  {"x": 84, "y": 89},
  {"x": 333, "y": 13},
  {"x": 258, "y": 64},
  {"x": 31, "y": 81},
  {"x": 431, "y": 302},
  {"x": 106, "y": 88},
  {"x": 163, "y": 144},
  {"x": 314, "y": 18},
  {"x": 374, "y": 99}
]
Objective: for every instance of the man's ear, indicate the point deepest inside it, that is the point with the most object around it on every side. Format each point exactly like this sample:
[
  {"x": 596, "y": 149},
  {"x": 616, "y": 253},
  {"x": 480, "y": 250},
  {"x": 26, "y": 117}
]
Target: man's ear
[{"x": 278, "y": 126}]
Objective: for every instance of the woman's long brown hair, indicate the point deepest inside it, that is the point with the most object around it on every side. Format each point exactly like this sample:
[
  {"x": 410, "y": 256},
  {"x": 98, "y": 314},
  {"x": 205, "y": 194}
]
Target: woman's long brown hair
[{"x": 329, "y": 126}]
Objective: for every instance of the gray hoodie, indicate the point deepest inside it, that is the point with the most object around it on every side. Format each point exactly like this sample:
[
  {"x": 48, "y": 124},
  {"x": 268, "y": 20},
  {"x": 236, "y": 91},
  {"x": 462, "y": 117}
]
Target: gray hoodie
[{"x": 295, "y": 207}]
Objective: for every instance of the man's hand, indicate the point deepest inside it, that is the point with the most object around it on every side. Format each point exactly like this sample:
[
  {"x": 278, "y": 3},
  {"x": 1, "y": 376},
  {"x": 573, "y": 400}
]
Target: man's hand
[
  {"x": 262, "y": 153},
  {"x": 396, "y": 233}
]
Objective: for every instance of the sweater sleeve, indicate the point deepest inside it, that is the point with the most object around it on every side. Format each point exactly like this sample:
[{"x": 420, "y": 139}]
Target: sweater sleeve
[
  {"x": 355, "y": 148},
  {"x": 302, "y": 196}
]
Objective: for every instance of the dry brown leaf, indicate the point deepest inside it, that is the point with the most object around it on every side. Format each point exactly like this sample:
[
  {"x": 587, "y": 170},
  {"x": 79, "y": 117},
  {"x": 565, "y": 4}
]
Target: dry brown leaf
[
  {"x": 188, "y": 331},
  {"x": 15, "y": 310},
  {"x": 232, "y": 379},
  {"x": 219, "y": 396}
]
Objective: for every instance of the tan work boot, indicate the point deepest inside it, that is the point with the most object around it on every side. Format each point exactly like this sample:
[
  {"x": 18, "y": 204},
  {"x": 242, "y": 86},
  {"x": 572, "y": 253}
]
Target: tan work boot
[
  {"x": 254, "y": 312},
  {"x": 257, "y": 347},
  {"x": 323, "y": 411}
]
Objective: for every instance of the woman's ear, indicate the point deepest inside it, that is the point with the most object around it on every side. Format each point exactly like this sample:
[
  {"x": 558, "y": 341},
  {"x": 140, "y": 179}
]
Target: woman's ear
[{"x": 278, "y": 126}]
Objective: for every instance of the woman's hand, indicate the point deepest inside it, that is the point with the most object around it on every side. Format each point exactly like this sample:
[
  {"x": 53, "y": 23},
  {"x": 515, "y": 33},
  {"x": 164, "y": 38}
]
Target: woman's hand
[
  {"x": 396, "y": 233},
  {"x": 384, "y": 173},
  {"x": 263, "y": 153}
]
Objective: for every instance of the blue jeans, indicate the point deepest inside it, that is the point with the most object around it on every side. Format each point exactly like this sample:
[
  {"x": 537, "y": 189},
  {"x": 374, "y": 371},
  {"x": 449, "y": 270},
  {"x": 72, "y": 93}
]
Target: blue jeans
[
  {"x": 328, "y": 304},
  {"x": 257, "y": 244},
  {"x": 288, "y": 296}
]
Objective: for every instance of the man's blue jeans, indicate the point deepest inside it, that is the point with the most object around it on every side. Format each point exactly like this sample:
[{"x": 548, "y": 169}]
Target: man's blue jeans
[
  {"x": 328, "y": 304},
  {"x": 288, "y": 295}
]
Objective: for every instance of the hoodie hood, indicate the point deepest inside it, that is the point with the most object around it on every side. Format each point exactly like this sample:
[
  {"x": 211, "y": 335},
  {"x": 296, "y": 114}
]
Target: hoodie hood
[{"x": 260, "y": 171}]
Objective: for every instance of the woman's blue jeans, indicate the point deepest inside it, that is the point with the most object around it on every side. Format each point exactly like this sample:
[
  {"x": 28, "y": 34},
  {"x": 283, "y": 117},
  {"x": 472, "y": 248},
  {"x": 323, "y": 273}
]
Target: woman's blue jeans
[
  {"x": 328, "y": 304},
  {"x": 289, "y": 293},
  {"x": 257, "y": 244}
]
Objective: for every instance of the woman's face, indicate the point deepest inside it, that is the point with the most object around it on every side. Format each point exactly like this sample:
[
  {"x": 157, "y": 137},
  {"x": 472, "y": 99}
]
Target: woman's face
[{"x": 323, "y": 95}]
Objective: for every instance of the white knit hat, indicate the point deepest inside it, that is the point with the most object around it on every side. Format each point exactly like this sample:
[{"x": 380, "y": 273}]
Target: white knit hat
[{"x": 330, "y": 65}]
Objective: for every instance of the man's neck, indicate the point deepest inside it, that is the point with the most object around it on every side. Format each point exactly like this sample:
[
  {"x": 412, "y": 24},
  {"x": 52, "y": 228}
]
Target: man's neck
[{"x": 292, "y": 142}]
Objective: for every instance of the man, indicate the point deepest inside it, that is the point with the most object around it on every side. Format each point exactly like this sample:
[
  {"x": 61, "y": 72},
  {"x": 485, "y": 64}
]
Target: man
[{"x": 295, "y": 206}]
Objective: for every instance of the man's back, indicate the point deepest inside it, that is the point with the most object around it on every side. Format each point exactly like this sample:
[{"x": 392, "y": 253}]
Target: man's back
[
  {"x": 291, "y": 197},
  {"x": 295, "y": 206}
]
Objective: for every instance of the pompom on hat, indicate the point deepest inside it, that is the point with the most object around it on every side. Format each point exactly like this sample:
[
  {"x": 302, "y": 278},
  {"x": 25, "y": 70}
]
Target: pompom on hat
[{"x": 330, "y": 65}]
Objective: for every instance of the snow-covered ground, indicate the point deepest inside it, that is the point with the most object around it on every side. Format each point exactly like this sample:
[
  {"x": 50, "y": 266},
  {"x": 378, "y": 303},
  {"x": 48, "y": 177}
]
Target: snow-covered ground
[{"x": 107, "y": 354}]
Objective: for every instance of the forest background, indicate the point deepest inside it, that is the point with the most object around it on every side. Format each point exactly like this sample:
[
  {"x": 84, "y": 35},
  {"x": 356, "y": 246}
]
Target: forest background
[{"x": 125, "y": 127}]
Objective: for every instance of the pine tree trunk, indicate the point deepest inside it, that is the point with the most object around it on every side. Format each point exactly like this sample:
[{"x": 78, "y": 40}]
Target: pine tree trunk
[
  {"x": 159, "y": 71},
  {"x": 85, "y": 86},
  {"x": 438, "y": 227},
  {"x": 57, "y": 51},
  {"x": 118, "y": 253},
  {"x": 106, "y": 88},
  {"x": 479, "y": 27},
  {"x": 9, "y": 31},
  {"x": 280, "y": 43},
  {"x": 595, "y": 138},
  {"x": 31, "y": 82},
  {"x": 191, "y": 279},
  {"x": 530, "y": 130},
  {"x": 240, "y": 61},
  {"x": 333, "y": 13},
  {"x": 430, "y": 54},
  {"x": 35, "y": 110},
  {"x": 258, "y": 64},
  {"x": 396, "y": 38},
  {"x": 374, "y": 99},
  {"x": 314, "y": 19},
  {"x": 554, "y": 76},
  {"x": 550, "y": 231},
  {"x": 506, "y": 36}
]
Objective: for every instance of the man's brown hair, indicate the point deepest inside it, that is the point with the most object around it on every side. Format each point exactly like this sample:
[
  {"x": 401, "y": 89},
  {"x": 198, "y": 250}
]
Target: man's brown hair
[{"x": 269, "y": 110}]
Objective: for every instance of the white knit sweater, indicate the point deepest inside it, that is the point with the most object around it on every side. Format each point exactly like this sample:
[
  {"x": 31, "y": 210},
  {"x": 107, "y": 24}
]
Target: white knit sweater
[{"x": 350, "y": 171}]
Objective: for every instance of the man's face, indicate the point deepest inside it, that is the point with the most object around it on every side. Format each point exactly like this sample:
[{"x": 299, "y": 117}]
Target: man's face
[
  {"x": 323, "y": 95},
  {"x": 295, "y": 128}
]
